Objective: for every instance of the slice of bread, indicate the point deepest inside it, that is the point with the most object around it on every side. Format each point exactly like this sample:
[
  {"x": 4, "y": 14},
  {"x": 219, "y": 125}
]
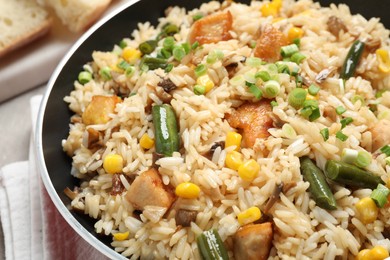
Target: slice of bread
[
  {"x": 21, "y": 22},
  {"x": 78, "y": 15}
]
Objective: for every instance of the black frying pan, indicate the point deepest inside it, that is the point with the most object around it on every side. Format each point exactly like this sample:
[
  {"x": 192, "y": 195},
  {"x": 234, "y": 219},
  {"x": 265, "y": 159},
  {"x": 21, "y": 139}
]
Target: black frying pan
[{"x": 53, "y": 124}]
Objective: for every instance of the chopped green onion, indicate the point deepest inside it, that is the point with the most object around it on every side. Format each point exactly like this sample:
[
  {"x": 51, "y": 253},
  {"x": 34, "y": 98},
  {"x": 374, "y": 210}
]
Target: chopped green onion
[
  {"x": 253, "y": 62},
  {"x": 289, "y": 131},
  {"x": 379, "y": 93},
  {"x": 340, "y": 110},
  {"x": 297, "y": 57},
  {"x": 84, "y": 77},
  {"x": 387, "y": 160},
  {"x": 252, "y": 44},
  {"x": 295, "y": 71},
  {"x": 274, "y": 103},
  {"x": 170, "y": 29},
  {"x": 214, "y": 55},
  {"x": 346, "y": 121},
  {"x": 289, "y": 50},
  {"x": 271, "y": 89},
  {"x": 298, "y": 81},
  {"x": 123, "y": 65},
  {"x": 147, "y": 47},
  {"x": 255, "y": 90},
  {"x": 356, "y": 98},
  {"x": 237, "y": 81},
  {"x": 165, "y": 54},
  {"x": 200, "y": 70},
  {"x": 379, "y": 195},
  {"x": 105, "y": 73},
  {"x": 297, "y": 41},
  {"x": 263, "y": 75},
  {"x": 297, "y": 97},
  {"x": 169, "y": 43},
  {"x": 341, "y": 136},
  {"x": 169, "y": 67},
  {"x": 313, "y": 89},
  {"x": 123, "y": 44},
  {"x": 186, "y": 46},
  {"x": 197, "y": 16},
  {"x": 195, "y": 45},
  {"x": 363, "y": 159},
  {"x": 315, "y": 114},
  {"x": 325, "y": 133},
  {"x": 283, "y": 67},
  {"x": 349, "y": 155},
  {"x": 386, "y": 150},
  {"x": 272, "y": 68},
  {"x": 310, "y": 110},
  {"x": 132, "y": 94},
  {"x": 129, "y": 71},
  {"x": 199, "y": 89},
  {"x": 178, "y": 53}
]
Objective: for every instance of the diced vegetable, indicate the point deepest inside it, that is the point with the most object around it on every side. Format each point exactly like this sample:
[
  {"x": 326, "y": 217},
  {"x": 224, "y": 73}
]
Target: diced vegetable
[
  {"x": 166, "y": 132},
  {"x": 349, "y": 155},
  {"x": 386, "y": 150},
  {"x": 363, "y": 159},
  {"x": 200, "y": 70},
  {"x": 214, "y": 55},
  {"x": 146, "y": 142},
  {"x": 271, "y": 89},
  {"x": 341, "y": 136},
  {"x": 383, "y": 59},
  {"x": 294, "y": 33},
  {"x": 178, "y": 52},
  {"x": 378, "y": 253},
  {"x": 297, "y": 57},
  {"x": 234, "y": 160},
  {"x": 105, "y": 73},
  {"x": 113, "y": 163},
  {"x": 310, "y": 109},
  {"x": 205, "y": 81},
  {"x": 249, "y": 170},
  {"x": 340, "y": 110},
  {"x": 233, "y": 139},
  {"x": 325, "y": 133},
  {"x": 319, "y": 188},
  {"x": 346, "y": 121},
  {"x": 249, "y": 216},
  {"x": 263, "y": 75},
  {"x": 211, "y": 246},
  {"x": 187, "y": 190},
  {"x": 367, "y": 210},
  {"x": 84, "y": 77},
  {"x": 352, "y": 60},
  {"x": 313, "y": 89},
  {"x": 153, "y": 63},
  {"x": 121, "y": 236},
  {"x": 289, "y": 50},
  {"x": 351, "y": 175},
  {"x": 199, "y": 90},
  {"x": 147, "y": 47},
  {"x": 255, "y": 90},
  {"x": 131, "y": 55},
  {"x": 379, "y": 195},
  {"x": 296, "y": 97}
]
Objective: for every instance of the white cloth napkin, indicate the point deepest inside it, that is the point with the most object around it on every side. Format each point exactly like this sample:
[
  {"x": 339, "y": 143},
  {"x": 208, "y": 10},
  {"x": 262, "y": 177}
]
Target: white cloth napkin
[{"x": 32, "y": 226}]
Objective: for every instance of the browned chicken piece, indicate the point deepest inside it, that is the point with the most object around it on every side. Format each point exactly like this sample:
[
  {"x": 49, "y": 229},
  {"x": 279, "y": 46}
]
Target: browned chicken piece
[
  {"x": 98, "y": 110},
  {"x": 253, "y": 242},
  {"x": 269, "y": 43},
  {"x": 253, "y": 119},
  {"x": 380, "y": 134},
  {"x": 149, "y": 190},
  {"x": 212, "y": 28}
]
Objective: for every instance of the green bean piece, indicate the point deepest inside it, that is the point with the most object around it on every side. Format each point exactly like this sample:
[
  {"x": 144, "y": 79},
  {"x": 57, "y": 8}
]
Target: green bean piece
[
  {"x": 148, "y": 47},
  {"x": 211, "y": 246},
  {"x": 319, "y": 188},
  {"x": 352, "y": 60},
  {"x": 351, "y": 175},
  {"x": 154, "y": 63},
  {"x": 166, "y": 131},
  {"x": 170, "y": 29}
]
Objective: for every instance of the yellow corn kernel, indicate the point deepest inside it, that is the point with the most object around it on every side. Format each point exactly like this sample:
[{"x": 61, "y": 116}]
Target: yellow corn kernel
[
  {"x": 277, "y": 4},
  {"x": 294, "y": 33},
  {"x": 383, "y": 59},
  {"x": 187, "y": 190},
  {"x": 367, "y": 210},
  {"x": 378, "y": 253},
  {"x": 363, "y": 254},
  {"x": 121, "y": 236},
  {"x": 131, "y": 55},
  {"x": 248, "y": 216},
  {"x": 146, "y": 142},
  {"x": 233, "y": 160},
  {"x": 205, "y": 81},
  {"x": 277, "y": 19},
  {"x": 233, "y": 138},
  {"x": 268, "y": 9},
  {"x": 249, "y": 170},
  {"x": 113, "y": 163}
]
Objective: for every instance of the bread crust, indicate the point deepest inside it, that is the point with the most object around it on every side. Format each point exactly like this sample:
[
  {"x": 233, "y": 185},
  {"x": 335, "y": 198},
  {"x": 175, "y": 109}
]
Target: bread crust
[{"x": 32, "y": 35}]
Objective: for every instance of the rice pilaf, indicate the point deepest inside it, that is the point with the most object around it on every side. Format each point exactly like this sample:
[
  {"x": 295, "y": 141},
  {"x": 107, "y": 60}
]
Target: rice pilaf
[{"x": 256, "y": 92}]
